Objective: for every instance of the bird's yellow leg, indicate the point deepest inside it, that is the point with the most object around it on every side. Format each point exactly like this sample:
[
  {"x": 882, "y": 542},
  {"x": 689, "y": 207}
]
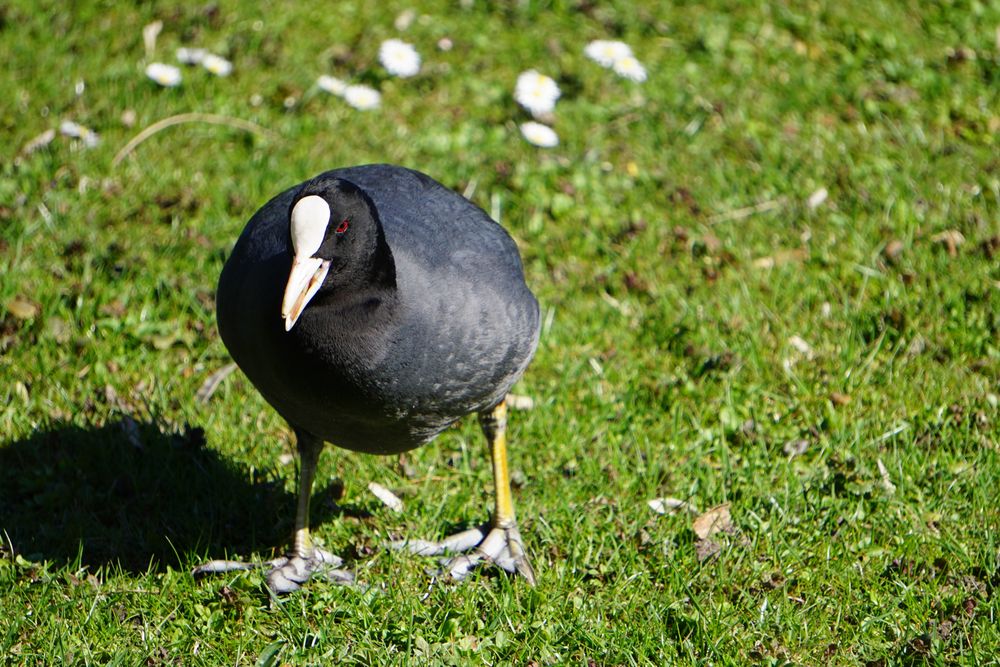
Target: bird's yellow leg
[
  {"x": 499, "y": 541},
  {"x": 505, "y": 534},
  {"x": 495, "y": 429}
]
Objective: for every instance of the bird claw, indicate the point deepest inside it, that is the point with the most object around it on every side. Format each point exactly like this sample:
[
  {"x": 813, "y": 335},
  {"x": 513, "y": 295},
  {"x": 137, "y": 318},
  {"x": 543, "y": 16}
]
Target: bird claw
[
  {"x": 502, "y": 546},
  {"x": 287, "y": 573}
]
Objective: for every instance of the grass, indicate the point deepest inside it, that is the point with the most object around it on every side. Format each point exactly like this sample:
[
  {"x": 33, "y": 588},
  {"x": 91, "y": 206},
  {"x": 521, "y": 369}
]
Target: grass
[{"x": 709, "y": 336}]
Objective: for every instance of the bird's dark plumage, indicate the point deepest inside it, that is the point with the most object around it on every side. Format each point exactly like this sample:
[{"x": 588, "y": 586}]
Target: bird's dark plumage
[{"x": 436, "y": 325}]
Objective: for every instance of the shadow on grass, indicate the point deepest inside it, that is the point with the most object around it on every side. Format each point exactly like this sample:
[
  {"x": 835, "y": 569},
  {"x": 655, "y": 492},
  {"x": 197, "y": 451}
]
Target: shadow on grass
[{"x": 137, "y": 497}]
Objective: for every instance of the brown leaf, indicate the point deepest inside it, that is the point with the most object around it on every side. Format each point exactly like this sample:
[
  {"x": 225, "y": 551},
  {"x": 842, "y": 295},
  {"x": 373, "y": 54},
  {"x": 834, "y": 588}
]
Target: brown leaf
[
  {"x": 705, "y": 549},
  {"x": 991, "y": 246},
  {"x": 838, "y": 398},
  {"x": 969, "y": 606},
  {"x": 113, "y": 309},
  {"x": 228, "y": 595},
  {"x": 712, "y": 243},
  {"x": 960, "y": 54},
  {"x": 893, "y": 250},
  {"x": 951, "y": 239},
  {"x": 916, "y": 346},
  {"x": 58, "y": 330},
  {"x": 795, "y": 447},
  {"x": 635, "y": 283},
  {"x": 22, "y": 309},
  {"x": 712, "y": 521}
]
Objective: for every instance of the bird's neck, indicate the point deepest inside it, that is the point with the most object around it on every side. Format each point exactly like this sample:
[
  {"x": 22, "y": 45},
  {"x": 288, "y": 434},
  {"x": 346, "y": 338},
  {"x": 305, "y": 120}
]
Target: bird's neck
[
  {"x": 369, "y": 299},
  {"x": 383, "y": 266},
  {"x": 356, "y": 301},
  {"x": 368, "y": 295}
]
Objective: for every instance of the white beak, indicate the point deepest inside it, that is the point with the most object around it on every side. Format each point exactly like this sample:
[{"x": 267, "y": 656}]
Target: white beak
[{"x": 304, "y": 280}]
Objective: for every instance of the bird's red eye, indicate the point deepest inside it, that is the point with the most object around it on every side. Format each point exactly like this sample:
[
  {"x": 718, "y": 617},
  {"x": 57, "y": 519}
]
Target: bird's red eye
[{"x": 342, "y": 227}]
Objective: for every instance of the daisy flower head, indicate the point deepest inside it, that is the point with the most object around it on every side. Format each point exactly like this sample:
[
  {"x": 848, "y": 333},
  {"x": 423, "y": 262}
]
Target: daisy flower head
[
  {"x": 606, "y": 52},
  {"x": 331, "y": 84},
  {"x": 630, "y": 68},
  {"x": 362, "y": 97},
  {"x": 539, "y": 135},
  {"x": 536, "y": 92},
  {"x": 399, "y": 58},
  {"x": 217, "y": 65},
  {"x": 72, "y": 129},
  {"x": 190, "y": 56},
  {"x": 165, "y": 75}
]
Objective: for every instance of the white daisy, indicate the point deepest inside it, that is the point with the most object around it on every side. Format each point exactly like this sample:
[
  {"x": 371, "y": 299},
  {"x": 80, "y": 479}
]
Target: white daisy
[
  {"x": 362, "y": 97},
  {"x": 165, "y": 75},
  {"x": 540, "y": 135},
  {"x": 405, "y": 19},
  {"x": 606, "y": 52},
  {"x": 630, "y": 68},
  {"x": 536, "y": 92},
  {"x": 399, "y": 58},
  {"x": 331, "y": 84},
  {"x": 217, "y": 65},
  {"x": 190, "y": 56},
  {"x": 85, "y": 134}
]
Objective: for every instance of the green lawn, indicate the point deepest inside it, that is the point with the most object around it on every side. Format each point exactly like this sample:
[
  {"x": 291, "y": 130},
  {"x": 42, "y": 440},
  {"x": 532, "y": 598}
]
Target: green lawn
[{"x": 713, "y": 333}]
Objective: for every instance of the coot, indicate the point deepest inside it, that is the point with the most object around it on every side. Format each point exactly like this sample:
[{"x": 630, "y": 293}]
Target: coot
[{"x": 373, "y": 307}]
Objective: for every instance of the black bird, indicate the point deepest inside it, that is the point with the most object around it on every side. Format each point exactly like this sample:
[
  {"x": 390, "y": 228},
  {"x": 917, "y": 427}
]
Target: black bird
[{"x": 373, "y": 307}]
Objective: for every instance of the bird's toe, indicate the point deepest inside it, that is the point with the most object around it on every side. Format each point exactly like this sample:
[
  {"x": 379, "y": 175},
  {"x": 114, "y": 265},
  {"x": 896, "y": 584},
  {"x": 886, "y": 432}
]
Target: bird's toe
[
  {"x": 220, "y": 566},
  {"x": 289, "y": 573},
  {"x": 456, "y": 543},
  {"x": 502, "y": 546}
]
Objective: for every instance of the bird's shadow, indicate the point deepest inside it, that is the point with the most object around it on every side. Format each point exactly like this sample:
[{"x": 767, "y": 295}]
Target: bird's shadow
[{"x": 136, "y": 496}]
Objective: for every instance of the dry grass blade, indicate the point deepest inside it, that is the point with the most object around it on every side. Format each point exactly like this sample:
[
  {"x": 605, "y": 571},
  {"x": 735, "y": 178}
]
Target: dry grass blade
[
  {"x": 40, "y": 141},
  {"x": 209, "y": 118},
  {"x": 212, "y": 383},
  {"x": 390, "y": 499},
  {"x": 747, "y": 211}
]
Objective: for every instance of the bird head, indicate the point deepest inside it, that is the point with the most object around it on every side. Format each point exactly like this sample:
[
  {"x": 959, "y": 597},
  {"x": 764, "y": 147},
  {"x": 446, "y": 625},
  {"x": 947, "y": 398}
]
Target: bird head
[{"x": 335, "y": 238}]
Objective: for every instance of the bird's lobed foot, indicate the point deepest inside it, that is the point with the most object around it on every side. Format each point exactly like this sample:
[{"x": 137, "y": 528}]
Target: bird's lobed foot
[
  {"x": 287, "y": 573},
  {"x": 290, "y": 572},
  {"x": 501, "y": 545}
]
